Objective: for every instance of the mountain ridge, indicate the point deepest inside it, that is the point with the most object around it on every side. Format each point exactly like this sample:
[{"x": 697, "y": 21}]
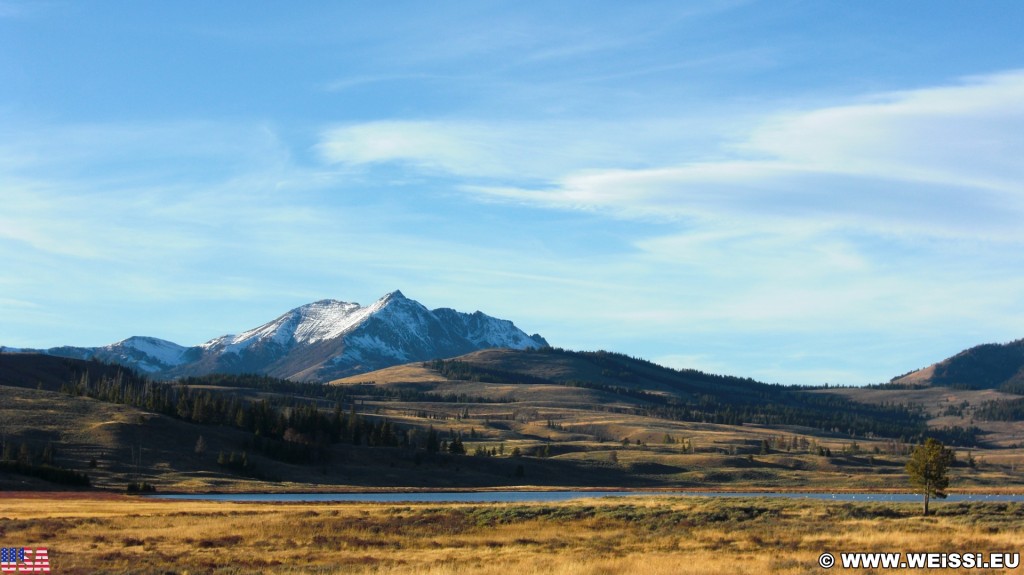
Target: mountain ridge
[
  {"x": 987, "y": 366},
  {"x": 319, "y": 341}
]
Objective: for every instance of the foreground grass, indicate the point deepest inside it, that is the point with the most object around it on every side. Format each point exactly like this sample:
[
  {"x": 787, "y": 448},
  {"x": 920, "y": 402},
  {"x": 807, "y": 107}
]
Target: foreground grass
[{"x": 655, "y": 535}]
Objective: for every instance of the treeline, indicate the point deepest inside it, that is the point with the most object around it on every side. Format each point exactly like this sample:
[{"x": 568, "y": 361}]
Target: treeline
[
  {"x": 47, "y": 473},
  {"x": 954, "y": 435},
  {"x": 1014, "y": 385},
  {"x": 281, "y": 428},
  {"x": 268, "y": 384},
  {"x": 620, "y": 390},
  {"x": 39, "y": 464},
  {"x": 636, "y": 370},
  {"x": 463, "y": 371},
  {"x": 836, "y": 416},
  {"x": 325, "y": 392},
  {"x": 1001, "y": 410}
]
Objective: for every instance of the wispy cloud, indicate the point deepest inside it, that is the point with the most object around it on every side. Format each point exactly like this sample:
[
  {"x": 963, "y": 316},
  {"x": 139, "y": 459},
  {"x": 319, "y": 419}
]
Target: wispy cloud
[
  {"x": 72, "y": 191},
  {"x": 484, "y": 152},
  {"x": 967, "y": 134},
  {"x": 933, "y": 161},
  {"x": 464, "y": 148},
  {"x": 458, "y": 148}
]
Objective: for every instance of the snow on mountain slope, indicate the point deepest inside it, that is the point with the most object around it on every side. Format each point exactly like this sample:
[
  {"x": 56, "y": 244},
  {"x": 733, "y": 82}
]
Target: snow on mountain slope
[
  {"x": 487, "y": 331},
  {"x": 403, "y": 330},
  {"x": 145, "y": 354},
  {"x": 323, "y": 340},
  {"x": 158, "y": 353},
  {"x": 314, "y": 322},
  {"x": 317, "y": 321}
]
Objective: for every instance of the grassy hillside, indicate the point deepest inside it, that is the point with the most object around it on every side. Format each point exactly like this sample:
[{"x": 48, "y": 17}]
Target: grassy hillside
[
  {"x": 626, "y": 384},
  {"x": 414, "y": 426}
]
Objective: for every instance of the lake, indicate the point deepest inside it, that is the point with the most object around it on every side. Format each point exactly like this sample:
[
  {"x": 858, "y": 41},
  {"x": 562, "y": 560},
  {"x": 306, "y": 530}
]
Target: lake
[{"x": 553, "y": 496}]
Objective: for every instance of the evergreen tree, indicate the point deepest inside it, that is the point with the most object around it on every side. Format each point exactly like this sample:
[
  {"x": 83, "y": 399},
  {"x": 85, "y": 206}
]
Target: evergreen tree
[
  {"x": 432, "y": 442},
  {"x": 456, "y": 447},
  {"x": 25, "y": 454},
  {"x": 928, "y": 469},
  {"x": 183, "y": 410}
]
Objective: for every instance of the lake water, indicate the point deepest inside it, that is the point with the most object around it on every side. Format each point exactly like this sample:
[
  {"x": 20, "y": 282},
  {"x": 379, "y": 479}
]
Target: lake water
[{"x": 553, "y": 496}]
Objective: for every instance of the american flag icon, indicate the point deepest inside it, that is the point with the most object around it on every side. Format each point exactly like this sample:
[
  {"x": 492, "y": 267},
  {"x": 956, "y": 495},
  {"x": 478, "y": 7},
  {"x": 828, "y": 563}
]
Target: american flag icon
[{"x": 24, "y": 560}]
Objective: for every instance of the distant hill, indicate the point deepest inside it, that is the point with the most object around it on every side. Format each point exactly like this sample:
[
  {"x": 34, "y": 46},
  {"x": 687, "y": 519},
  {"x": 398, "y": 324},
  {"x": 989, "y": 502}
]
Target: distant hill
[
  {"x": 555, "y": 376},
  {"x": 320, "y": 341},
  {"x": 989, "y": 366},
  {"x": 596, "y": 369},
  {"x": 38, "y": 371}
]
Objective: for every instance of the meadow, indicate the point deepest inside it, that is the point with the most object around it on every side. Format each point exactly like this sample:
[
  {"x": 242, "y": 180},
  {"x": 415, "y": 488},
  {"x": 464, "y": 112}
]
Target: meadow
[{"x": 103, "y": 533}]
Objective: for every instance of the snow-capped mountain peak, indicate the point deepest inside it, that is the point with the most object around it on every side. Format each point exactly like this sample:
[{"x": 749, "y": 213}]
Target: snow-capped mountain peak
[
  {"x": 146, "y": 354},
  {"x": 321, "y": 320},
  {"x": 324, "y": 340},
  {"x": 166, "y": 352},
  {"x": 324, "y": 319}
]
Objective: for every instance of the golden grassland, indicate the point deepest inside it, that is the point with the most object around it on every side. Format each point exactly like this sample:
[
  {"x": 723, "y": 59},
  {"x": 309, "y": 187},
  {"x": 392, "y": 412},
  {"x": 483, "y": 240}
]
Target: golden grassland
[{"x": 655, "y": 535}]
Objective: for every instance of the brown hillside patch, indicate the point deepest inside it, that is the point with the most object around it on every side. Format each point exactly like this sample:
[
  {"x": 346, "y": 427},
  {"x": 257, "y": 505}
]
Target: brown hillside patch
[
  {"x": 921, "y": 376},
  {"x": 409, "y": 373}
]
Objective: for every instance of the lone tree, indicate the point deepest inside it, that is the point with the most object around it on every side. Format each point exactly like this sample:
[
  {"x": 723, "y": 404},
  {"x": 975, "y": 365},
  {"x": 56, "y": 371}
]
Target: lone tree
[{"x": 928, "y": 469}]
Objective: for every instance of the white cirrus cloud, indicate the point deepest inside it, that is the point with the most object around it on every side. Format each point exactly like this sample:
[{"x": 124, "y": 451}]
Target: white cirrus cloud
[
  {"x": 457, "y": 148},
  {"x": 510, "y": 151},
  {"x": 969, "y": 134},
  {"x": 941, "y": 161}
]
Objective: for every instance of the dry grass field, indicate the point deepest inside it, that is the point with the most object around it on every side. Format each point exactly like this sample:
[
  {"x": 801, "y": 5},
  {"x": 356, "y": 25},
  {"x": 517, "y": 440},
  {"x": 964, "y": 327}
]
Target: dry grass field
[{"x": 651, "y": 535}]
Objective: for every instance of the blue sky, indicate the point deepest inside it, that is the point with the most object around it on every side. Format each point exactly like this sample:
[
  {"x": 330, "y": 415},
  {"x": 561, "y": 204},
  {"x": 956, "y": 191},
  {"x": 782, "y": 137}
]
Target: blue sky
[{"x": 799, "y": 192}]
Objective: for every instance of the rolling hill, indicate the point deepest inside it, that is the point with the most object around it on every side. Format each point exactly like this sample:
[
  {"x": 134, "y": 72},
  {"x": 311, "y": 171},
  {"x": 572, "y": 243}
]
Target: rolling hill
[
  {"x": 988, "y": 366},
  {"x": 616, "y": 381}
]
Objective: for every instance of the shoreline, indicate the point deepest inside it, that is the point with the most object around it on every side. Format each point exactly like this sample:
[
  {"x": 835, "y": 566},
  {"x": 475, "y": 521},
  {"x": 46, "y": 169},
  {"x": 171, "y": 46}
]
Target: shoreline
[{"x": 654, "y": 492}]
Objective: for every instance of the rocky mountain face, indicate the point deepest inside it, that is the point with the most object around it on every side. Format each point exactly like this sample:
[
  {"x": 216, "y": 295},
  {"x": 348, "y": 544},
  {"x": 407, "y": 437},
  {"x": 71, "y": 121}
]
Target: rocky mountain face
[{"x": 321, "y": 341}]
